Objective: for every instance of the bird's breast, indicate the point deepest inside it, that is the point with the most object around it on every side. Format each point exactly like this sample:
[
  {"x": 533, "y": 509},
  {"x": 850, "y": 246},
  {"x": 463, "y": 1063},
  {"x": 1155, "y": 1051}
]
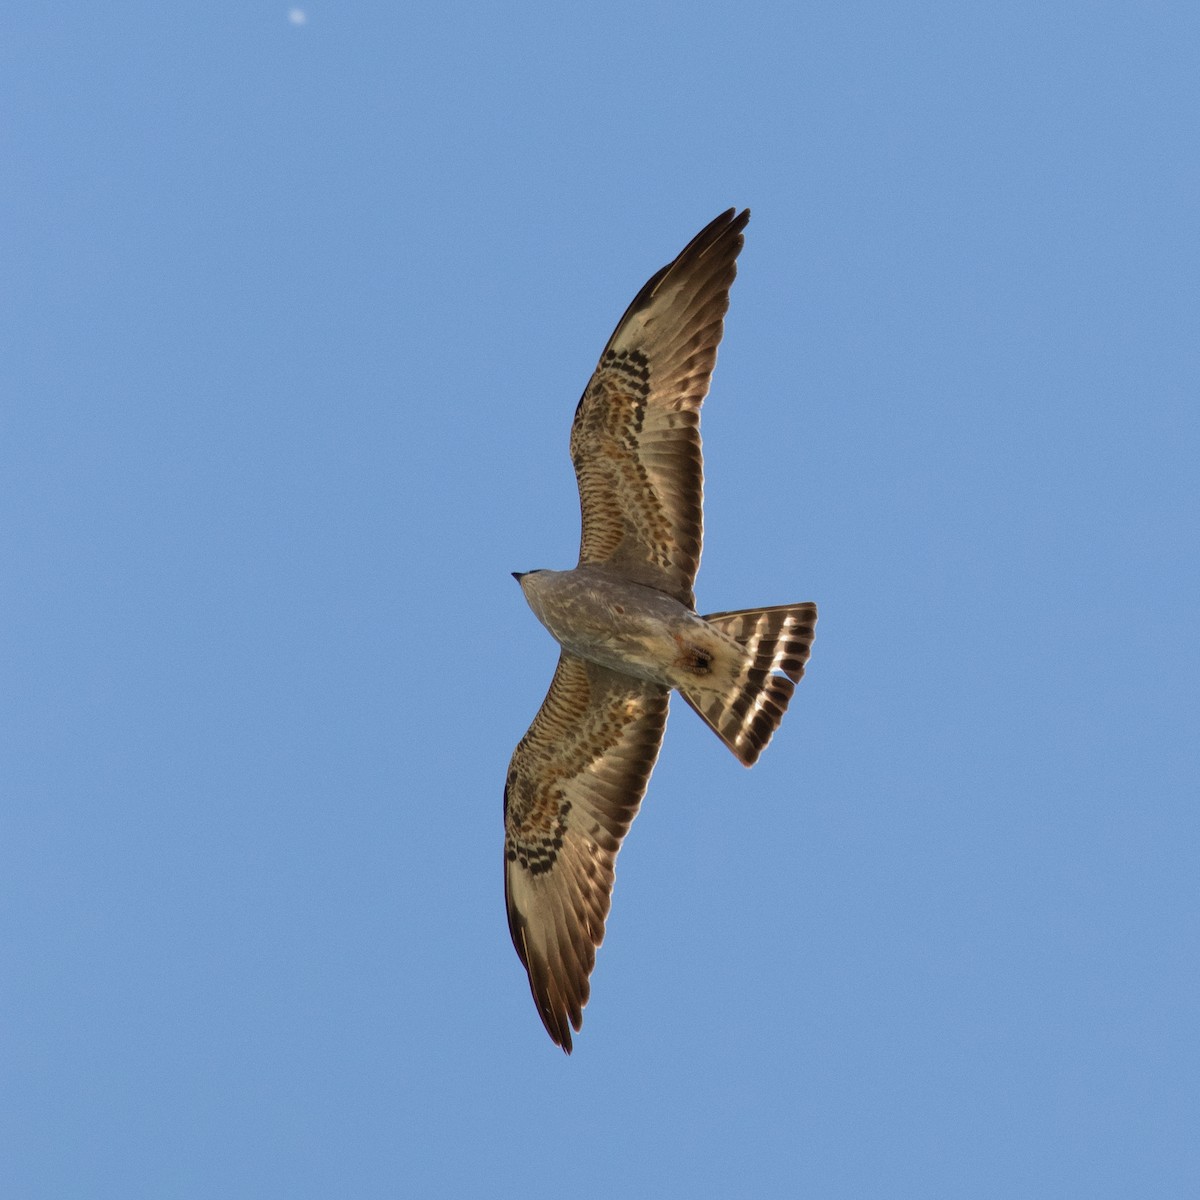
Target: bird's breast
[{"x": 621, "y": 625}]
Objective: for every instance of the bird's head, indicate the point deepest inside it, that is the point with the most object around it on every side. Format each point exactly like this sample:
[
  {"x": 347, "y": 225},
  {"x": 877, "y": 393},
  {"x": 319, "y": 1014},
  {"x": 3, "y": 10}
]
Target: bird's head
[
  {"x": 521, "y": 576},
  {"x": 530, "y": 582}
]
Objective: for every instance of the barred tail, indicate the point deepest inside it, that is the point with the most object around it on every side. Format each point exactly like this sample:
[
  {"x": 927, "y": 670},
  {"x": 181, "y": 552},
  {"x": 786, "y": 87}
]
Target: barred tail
[{"x": 745, "y": 710}]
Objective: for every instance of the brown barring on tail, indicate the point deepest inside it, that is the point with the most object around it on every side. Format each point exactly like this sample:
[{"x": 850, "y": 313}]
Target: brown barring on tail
[{"x": 626, "y": 620}]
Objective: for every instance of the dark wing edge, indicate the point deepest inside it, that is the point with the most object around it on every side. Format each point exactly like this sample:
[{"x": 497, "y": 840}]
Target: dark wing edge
[
  {"x": 635, "y": 441},
  {"x": 575, "y": 783},
  {"x": 726, "y": 228}
]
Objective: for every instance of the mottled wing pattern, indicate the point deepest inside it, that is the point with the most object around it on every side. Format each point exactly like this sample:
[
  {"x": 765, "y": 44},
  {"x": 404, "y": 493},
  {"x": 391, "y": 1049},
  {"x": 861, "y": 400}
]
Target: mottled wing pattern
[
  {"x": 574, "y": 785},
  {"x": 636, "y": 438}
]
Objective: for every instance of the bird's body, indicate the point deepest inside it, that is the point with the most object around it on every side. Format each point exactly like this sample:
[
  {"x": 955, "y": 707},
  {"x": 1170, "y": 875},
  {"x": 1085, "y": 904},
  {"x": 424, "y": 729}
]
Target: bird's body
[
  {"x": 628, "y": 627},
  {"x": 626, "y": 621}
]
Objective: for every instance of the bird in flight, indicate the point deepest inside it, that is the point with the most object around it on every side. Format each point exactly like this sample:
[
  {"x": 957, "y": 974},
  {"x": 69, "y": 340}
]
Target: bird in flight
[{"x": 626, "y": 621}]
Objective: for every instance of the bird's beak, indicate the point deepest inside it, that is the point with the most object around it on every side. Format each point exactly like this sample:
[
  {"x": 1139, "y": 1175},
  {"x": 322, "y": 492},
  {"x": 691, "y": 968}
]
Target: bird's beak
[{"x": 519, "y": 575}]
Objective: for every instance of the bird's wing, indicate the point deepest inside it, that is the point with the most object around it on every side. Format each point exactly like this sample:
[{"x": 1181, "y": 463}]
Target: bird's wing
[
  {"x": 635, "y": 442},
  {"x": 574, "y": 785}
]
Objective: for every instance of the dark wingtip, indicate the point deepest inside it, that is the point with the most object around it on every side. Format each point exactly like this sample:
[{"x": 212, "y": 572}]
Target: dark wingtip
[{"x": 728, "y": 225}]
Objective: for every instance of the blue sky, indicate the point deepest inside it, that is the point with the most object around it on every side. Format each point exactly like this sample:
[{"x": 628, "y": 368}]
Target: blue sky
[{"x": 295, "y": 319}]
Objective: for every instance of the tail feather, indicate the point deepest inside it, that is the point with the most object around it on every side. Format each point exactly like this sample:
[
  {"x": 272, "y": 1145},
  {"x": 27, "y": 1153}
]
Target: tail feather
[{"x": 745, "y": 709}]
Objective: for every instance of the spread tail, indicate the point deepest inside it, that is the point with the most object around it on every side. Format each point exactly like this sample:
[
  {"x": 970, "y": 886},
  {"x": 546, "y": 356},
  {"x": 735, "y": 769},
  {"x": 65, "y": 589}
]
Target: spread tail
[{"x": 745, "y": 709}]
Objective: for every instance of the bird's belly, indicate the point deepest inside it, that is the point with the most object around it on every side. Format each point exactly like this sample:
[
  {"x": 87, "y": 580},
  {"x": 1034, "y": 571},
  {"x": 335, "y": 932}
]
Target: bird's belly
[
  {"x": 619, "y": 625},
  {"x": 645, "y": 653}
]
